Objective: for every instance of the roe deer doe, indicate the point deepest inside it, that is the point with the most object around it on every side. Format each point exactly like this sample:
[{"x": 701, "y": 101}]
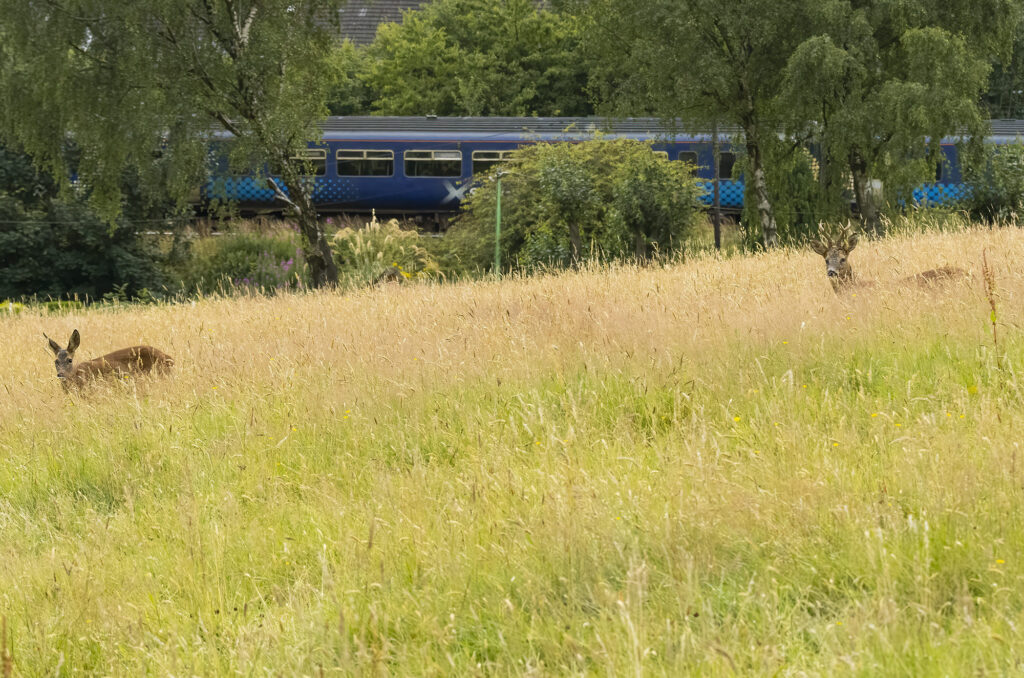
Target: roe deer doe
[
  {"x": 135, "y": 359},
  {"x": 836, "y": 251}
]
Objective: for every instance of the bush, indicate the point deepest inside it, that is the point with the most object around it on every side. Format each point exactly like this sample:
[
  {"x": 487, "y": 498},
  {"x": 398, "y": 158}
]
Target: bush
[
  {"x": 65, "y": 250},
  {"x": 54, "y": 245},
  {"x": 567, "y": 202},
  {"x": 365, "y": 254},
  {"x": 997, "y": 183},
  {"x": 265, "y": 262}
]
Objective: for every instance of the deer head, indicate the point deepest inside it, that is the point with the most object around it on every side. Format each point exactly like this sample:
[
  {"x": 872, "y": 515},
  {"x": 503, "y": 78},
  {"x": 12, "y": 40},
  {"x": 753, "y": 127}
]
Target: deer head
[
  {"x": 836, "y": 248},
  {"x": 65, "y": 356}
]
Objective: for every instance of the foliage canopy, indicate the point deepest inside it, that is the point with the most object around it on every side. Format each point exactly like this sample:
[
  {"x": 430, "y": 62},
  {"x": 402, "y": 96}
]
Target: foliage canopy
[{"x": 564, "y": 202}]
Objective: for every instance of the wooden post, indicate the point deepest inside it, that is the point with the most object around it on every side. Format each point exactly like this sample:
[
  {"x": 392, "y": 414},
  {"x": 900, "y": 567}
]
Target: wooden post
[{"x": 716, "y": 213}]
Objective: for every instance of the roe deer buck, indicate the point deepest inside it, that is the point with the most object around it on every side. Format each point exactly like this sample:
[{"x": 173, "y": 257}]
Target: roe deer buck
[
  {"x": 836, "y": 251},
  {"x": 134, "y": 359}
]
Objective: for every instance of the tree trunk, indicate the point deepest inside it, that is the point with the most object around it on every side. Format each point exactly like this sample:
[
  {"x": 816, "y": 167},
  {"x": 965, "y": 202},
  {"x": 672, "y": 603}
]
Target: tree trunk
[
  {"x": 764, "y": 205},
  {"x": 869, "y": 217},
  {"x": 575, "y": 240},
  {"x": 640, "y": 246},
  {"x": 323, "y": 270}
]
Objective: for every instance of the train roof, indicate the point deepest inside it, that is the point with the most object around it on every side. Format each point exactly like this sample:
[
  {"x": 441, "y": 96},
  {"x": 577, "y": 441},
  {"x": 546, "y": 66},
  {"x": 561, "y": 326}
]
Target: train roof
[
  {"x": 370, "y": 126},
  {"x": 1007, "y": 128},
  {"x": 510, "y": 127}
]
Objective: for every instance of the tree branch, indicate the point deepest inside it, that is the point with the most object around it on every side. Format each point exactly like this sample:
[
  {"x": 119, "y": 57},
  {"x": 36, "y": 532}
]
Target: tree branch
[{"x": 282, "y": 196}]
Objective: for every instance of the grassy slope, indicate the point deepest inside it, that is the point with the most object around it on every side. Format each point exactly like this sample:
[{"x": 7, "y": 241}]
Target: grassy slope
[{"x": 712, "y": 468}]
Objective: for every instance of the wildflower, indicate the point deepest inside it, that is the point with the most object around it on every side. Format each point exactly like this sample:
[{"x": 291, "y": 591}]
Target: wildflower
[
  {"x": 784, "y": 343},
  {"x": 874, "y": 414},
  {"x": 735, "y": 418},
  {"x": 835, "y": 444},
  {"x": 1000, "y": 561}
]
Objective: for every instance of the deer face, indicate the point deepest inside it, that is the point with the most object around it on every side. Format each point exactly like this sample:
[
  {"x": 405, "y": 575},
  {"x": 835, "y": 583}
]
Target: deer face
[
  {"x": 65, "y": 356},
  {"x": 836, "y": 255}
]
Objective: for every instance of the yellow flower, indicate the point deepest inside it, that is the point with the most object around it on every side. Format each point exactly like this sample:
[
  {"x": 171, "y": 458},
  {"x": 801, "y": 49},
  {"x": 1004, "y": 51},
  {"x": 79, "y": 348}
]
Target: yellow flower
[
  {"x": 735, "y": 418},
  {"x": 1000, "y": 561},
  {"x": 835, "y": 444},
  {"x": 874, "y": 414}
]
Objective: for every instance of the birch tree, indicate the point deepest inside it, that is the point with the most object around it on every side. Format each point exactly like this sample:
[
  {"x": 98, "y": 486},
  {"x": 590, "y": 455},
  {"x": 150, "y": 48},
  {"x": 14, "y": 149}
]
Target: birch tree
[{"x": 146, "y": 83}]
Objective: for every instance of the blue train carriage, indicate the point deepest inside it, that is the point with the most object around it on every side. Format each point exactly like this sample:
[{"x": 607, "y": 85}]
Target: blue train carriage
[
  {"x": 950, "y": 185},
  {"x": 424, "y": 165},
  {"x": 409, "y": 165}
]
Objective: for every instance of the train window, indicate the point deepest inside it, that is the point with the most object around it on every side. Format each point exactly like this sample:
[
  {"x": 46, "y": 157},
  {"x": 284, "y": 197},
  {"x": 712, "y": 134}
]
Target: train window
[
  {"x": 312, "y": 161},
  {"x": 353, "y": 163},
  {"x": 485, "y": 160},
  {"x": 661, "y": 154},
  {"x": 688, "y": 156},
  {"x": 433, "y": 163},
  {"x": 725, "y": 165}
]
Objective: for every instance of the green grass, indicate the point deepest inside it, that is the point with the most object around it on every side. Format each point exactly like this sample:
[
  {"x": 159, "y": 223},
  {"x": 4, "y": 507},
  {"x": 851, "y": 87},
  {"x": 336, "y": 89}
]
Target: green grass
[{"x": 718, "y": 468}]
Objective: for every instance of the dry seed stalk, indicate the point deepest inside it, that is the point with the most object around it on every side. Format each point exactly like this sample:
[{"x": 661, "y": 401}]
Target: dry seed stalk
[{"x": 990, "y": 294}]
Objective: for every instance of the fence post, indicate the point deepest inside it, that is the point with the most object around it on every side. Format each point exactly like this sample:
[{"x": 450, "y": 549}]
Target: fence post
[{"x": 497, "y": 232}]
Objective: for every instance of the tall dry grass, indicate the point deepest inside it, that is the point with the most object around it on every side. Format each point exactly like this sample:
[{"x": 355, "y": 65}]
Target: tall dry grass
[{"x": 710, "y": 468}]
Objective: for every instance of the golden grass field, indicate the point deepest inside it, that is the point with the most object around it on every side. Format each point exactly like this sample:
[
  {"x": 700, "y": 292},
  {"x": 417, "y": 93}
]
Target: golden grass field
[{"x": 718, "y": 467}]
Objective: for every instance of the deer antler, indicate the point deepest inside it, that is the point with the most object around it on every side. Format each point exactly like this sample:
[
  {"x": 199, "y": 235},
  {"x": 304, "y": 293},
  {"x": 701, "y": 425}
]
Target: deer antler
[{"x": 825, "y": 234}]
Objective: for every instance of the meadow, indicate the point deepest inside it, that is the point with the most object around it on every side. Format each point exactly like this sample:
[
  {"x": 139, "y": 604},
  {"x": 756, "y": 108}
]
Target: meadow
[{"x": 716, "y": 467}]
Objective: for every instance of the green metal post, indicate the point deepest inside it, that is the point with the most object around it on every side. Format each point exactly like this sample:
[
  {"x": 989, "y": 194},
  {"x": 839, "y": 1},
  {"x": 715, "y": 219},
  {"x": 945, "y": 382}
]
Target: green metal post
[{"x": 497, "y": 234}]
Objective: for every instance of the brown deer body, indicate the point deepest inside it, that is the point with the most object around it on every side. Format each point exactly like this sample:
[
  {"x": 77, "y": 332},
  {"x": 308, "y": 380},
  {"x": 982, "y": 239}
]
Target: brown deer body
[
  {"x": 131, "y": 360},
  {"x": 836, "y": 252}
]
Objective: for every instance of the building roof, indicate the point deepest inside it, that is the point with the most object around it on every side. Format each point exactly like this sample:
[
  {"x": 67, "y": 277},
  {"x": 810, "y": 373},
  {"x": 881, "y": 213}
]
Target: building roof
[{"x": 359, "y": 18}]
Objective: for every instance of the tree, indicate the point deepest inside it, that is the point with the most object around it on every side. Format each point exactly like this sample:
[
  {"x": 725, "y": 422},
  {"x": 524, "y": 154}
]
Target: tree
[
  {"x": 1005, "y": 95},
  {"x": 887, "y": 78},
  {"x": 58, "y": 248},
  {"x": 701, "y": 61},
  {"x": 478, "y": 57},
  {"x": 564, "y": 202},
  {"x": 131, "y": 82}
]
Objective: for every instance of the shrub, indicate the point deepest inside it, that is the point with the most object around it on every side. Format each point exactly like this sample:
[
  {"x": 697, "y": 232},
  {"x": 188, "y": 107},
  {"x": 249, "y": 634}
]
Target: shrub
[
  {"x": 567, "y": 202},
  {"x": 997, "y": 182},
  {"x": 65, "y": 250},
  {"x": 245, "y": 261},
  {"x": 54, "y": 245},
  {"x": 365, "y": 254}
]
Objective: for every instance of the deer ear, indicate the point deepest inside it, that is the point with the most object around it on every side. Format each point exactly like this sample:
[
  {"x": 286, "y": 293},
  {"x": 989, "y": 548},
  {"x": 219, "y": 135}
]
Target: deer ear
[
  {"x": 76, "y": 339},
  {"x": 54, "y": 346},
  {"x": 819, "y": 247},
  {"x": 851, "y": 242}
]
